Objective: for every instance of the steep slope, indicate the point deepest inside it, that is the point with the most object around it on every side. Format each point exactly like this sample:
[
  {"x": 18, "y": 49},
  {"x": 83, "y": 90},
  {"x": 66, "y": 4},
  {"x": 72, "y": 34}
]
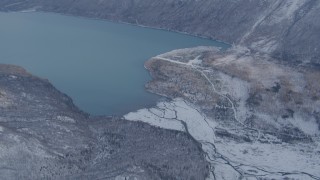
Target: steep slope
[
  {"x": 288, "y": 30},
  {"x": 44, "y": 136}
]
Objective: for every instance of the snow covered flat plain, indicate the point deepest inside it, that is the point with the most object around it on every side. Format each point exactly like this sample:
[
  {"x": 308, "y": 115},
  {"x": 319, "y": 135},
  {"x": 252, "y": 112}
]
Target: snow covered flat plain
[{"x": 231, "y": 159}]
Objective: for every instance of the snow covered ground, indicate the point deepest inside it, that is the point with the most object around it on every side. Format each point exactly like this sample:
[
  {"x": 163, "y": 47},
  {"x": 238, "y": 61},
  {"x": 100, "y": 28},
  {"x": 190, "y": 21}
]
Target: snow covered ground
[
  {"x": 264, "y": 133},
  {"x": 231, "y": 159}
]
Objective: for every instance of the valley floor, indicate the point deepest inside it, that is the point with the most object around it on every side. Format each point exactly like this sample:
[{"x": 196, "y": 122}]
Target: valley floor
[
  {"x": 228, "y": 158},
  {"x": 210, "y": 101}
]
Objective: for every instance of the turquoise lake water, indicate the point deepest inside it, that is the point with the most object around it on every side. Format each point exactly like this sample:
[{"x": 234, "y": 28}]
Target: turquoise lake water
[{"x": 99, "y": 64}]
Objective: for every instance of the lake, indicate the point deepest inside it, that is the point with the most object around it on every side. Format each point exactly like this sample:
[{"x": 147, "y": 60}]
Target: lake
[{"x": 99, "y": 64}]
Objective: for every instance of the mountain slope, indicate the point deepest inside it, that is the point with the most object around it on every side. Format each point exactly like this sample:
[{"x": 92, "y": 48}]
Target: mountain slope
[
  {"x": 44, "y": 136},
  {"x": 287, "y": 30}
]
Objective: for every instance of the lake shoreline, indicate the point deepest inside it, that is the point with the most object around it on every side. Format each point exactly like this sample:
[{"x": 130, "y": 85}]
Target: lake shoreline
[
  {"x": 107, "y": 49},
  {"x": 126, "y": 23}
]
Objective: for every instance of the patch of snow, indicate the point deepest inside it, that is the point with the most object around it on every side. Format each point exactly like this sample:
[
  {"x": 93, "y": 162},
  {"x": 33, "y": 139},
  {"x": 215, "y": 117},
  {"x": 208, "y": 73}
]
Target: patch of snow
[
  {"x": 66, "y": 119},
  {"x": 195, "y": 61},
  {"x": 224, "y": 171},
  {"x": 286, "y": 11},
  {"x": 13, "y": 77},
  {"x": 274, "y": 157},
  {"x": 260, "y": 20},
  {"x": 173, "y": 115},
  {"x": 152, "y": 117},
  {"x": 178, "y": 110},
  {"x": 187, "y": 54},
  {"x": 308, "y": 126},
  {"x": 265, "y": 45},
  {"x": 239, "y": 91}
]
